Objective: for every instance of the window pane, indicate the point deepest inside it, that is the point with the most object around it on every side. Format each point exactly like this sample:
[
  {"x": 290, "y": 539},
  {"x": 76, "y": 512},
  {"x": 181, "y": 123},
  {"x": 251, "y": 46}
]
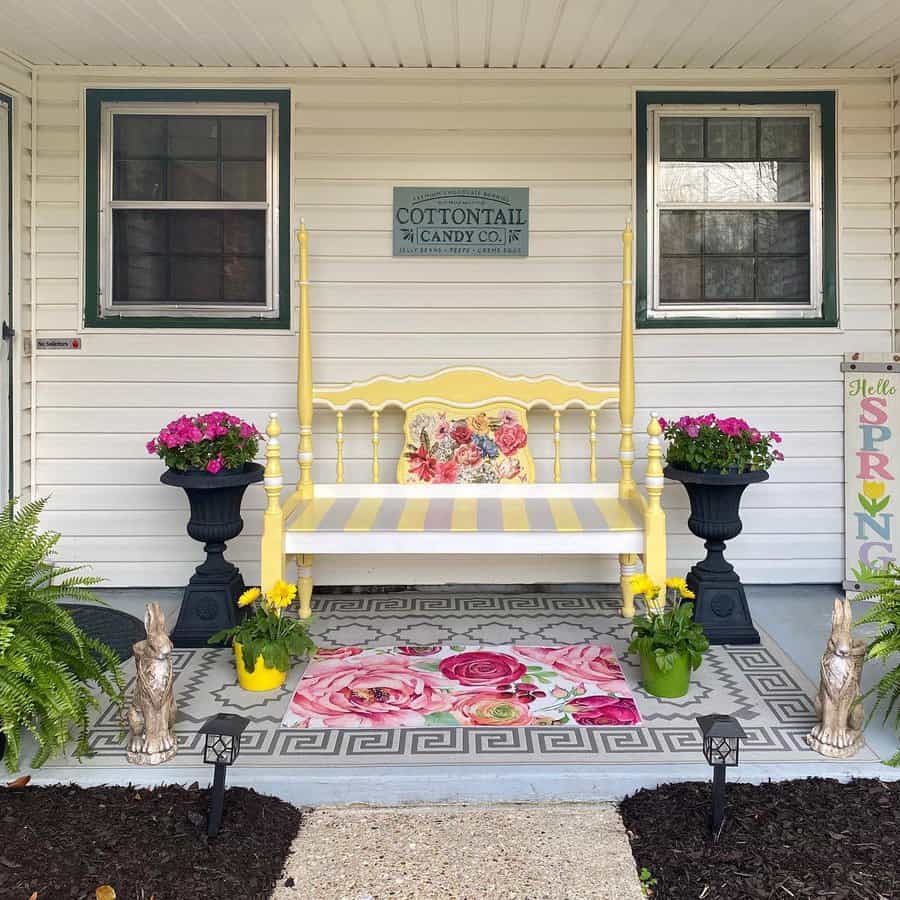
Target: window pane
[
  {"x": 139, "y": 231},
  {"x": 139, "y": 279},
  {"x": 783, "y": 279},
  {"x": 680, "y": 138},
  {"x": 244, "y": 137},
  {"x": 140, "y": 179},
  {"x": 245, "y": 232},
  {"x": 727, "y": 278},
  {"x": 728, "y": 232},
  {"x": 244, "y": 181},
  {"x": 680, "y": 231},
  {"x": 193, "y": 137},
  {"x": 784, "y": 138},
  {"x": 783, "y": 231},
  {"x": 195, "y": 232},
  {"x": 679, "y": 278},
  {"x": 196, "y": 279},
  {"x": 792, "y": 181},
  {"x": 139, "y": 137},
  {"x": 730, "y": 138},
  {"x": 245, "y": 280},
  {"x": 733, "y": 182},
  {"x": 193, "y": 181}
]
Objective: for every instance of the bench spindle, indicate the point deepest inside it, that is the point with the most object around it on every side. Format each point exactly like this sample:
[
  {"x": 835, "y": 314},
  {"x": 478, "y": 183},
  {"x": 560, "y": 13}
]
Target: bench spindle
[
  {"x": 557, "y": 464},
  {"x": 375, "y": 441},
  {"x": 339, "y": 439},
  {"x": 593, "y": 427}
]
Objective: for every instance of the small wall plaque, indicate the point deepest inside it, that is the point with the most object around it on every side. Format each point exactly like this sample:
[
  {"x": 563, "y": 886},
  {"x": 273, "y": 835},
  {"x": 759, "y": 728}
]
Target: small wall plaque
[
  {"x": 460, "y": 221},
  {"x": 59, "y": 343}
]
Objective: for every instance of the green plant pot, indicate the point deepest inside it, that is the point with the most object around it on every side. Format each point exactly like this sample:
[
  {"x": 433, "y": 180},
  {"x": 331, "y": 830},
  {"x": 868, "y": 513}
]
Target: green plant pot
[{"x": 674, "y": 683}]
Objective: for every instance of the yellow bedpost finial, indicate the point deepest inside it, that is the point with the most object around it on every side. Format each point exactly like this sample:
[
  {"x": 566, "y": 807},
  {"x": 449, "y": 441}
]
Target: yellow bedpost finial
[
  {"x": 626, "y": 371},
  {"x": 273, "y": 518},
  {"x": 654, "y": 517},
  {"x": 304, "y": 376}
]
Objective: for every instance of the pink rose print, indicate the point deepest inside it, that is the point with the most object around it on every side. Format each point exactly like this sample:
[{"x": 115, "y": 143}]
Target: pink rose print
[
  {"x": 442, "y": 429},
  {"x": 509, "y": 468},
  {"x": 482, "y": 668},
  {"x": 378, "y": 692},
  {"x": 507, "y": 417},
  {"x": 603, "y": 710},
  {"x": 445, "y": 472},
  {"x": 461, "y": 433},
  {"x": 419, "y": 651},
  {"x": 492, "y": 708},
  {"x": 467, "y": 455},
  {"x": 510, "y": 438},
  {"x": 581, "y": 662},
  {"x": 337, "y": 652}
]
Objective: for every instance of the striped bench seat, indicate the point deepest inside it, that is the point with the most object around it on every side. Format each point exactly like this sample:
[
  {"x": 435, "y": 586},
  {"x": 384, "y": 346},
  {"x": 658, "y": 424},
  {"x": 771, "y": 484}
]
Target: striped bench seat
[{"x": 561, "y": 518}]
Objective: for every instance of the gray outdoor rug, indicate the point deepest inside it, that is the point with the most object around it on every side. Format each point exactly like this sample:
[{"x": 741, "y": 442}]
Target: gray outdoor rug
[{"x": 758, "y": 685}]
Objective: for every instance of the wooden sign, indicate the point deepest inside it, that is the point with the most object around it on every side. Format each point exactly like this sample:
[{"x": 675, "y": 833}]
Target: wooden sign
[
  {"x": 871, "y": 462},
  {"x": 460, "y": 221}
]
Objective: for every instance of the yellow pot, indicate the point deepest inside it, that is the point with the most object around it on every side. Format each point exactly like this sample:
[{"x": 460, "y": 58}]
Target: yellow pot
[{"x": 262, "y": 678}]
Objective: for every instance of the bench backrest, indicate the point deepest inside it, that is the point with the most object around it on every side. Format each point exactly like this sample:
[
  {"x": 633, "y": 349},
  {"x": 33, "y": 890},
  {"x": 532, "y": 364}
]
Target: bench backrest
[{"x": 465, "y": 424}]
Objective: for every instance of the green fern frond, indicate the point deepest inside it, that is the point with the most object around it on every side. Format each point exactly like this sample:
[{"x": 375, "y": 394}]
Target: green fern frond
[{"x": 47, "y": 664}]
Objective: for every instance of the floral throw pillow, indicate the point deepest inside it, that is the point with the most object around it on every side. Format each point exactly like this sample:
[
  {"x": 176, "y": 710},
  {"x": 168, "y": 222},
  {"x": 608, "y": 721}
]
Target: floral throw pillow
[{"x": 448, "y": 445}]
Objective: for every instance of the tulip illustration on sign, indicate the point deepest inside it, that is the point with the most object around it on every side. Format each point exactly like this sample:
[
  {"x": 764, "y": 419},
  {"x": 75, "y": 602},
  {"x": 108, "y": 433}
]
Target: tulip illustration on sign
[{"x": 872, "y": 498}]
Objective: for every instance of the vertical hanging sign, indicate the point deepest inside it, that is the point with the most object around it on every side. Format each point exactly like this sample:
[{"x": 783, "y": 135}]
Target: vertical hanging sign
[{"x": 871, "y": 462}]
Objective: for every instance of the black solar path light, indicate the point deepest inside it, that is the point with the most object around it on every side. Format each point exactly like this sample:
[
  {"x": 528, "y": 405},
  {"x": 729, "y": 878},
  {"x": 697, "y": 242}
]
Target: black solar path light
[
  {"x": 223, "y": 746},
  {"x": 722, "y": 736}
]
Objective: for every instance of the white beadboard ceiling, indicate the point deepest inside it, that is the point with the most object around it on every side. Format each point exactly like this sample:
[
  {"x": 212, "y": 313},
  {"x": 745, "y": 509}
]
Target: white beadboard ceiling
[{"x": 525, "y": 34}]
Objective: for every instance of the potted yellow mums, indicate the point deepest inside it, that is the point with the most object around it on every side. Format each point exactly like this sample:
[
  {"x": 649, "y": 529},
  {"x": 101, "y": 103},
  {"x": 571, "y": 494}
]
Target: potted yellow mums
[
  {"x": 266, "y": 640},
  {"x": 667, "y": 640}
]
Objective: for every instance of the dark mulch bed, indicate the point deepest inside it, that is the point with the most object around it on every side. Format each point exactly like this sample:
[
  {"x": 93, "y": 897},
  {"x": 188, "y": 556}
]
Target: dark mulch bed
[
  {"x": 66, "y": 841},
  {"x": 809, "y": 838}
]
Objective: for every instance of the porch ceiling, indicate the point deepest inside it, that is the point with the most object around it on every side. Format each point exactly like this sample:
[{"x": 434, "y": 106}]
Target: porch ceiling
[{"x": 449, "y": 33}]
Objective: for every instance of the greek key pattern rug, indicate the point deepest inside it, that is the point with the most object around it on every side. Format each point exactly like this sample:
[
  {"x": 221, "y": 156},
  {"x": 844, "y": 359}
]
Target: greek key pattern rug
[{"x": 758, "y": 685}]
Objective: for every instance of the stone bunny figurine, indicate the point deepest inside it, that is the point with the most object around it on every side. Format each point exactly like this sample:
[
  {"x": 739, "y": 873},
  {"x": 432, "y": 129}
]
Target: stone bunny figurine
[
  {"x": 839, "y": 730},
  {"x": 151, "y": 715}
]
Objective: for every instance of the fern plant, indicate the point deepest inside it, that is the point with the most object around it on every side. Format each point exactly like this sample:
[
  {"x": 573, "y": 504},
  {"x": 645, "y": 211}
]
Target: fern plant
[
  {"x": 47, "y": 664},
  {"x": 885, "y": 646}
]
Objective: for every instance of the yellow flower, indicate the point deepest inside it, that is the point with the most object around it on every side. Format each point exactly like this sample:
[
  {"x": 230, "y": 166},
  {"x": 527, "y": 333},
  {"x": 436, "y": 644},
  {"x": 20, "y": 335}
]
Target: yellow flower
[
  {"x": 249, "y": 596},
  {"x": 643, "y": 584},
  {"x": 874, "y": 490},
  {"x": 680, "y": 585},
  {"x": 480, "y": 424},
  {"x": 281, "y": 595}
]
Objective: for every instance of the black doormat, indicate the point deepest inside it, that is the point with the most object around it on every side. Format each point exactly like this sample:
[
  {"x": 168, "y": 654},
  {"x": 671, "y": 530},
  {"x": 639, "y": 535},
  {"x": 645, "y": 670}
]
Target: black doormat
[
  {"x": 66, "y": 841},
  {"x": 809, "y": 838},
  {"x": 115, "y": 628}
]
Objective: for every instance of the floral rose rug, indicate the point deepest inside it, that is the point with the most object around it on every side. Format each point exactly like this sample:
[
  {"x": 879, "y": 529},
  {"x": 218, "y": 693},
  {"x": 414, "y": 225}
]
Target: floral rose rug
[{"x": 405, "y": 687}]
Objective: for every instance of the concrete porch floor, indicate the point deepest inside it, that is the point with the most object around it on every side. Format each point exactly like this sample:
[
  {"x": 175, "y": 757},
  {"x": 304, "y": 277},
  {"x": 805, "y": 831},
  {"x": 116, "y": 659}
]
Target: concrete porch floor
[{"x": 797, "y": 618}]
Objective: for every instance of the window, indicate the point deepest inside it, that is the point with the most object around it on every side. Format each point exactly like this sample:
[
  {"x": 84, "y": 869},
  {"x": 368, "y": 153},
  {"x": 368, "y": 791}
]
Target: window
[
  {"x": 191, "y": 215},
  {"x": 736, "y": 209}
]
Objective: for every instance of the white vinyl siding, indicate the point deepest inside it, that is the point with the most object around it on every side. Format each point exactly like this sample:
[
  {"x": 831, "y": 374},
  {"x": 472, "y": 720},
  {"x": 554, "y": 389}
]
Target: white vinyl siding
[
  {"x": 15, "y": 81},
  {"x": 568, "y": 137}
]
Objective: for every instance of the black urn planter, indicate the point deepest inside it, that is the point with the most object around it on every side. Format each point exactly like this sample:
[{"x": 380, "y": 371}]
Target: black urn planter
[
  {"x": 720, "y": 606},
  {"x": 210, "y": 599}
]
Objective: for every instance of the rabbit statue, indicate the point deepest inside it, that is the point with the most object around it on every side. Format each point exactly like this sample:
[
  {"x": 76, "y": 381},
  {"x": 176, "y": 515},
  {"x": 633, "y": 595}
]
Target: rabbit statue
[
  {"x": 151, "y": 715},
  {"x": 839, "y": 730}
]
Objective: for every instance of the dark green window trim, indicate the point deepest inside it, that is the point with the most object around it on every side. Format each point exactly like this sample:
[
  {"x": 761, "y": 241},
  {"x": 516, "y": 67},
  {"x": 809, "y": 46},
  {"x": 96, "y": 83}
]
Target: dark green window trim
[
  {"x": 93, "y": 101},
  {"x": 825, "y": 100}
]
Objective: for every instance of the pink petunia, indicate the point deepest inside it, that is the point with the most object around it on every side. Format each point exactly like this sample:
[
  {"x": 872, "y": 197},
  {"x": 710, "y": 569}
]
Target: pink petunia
[
  {"x": 215, "y": 465},
  {"x": 151, "y": 447},
  {"x": 775, "y": 437}
]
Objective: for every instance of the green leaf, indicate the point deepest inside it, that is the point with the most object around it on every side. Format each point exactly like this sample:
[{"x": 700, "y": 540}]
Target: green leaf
[
  {"x": 426, "y": 665},
  {"x": 440, "y": 718}
]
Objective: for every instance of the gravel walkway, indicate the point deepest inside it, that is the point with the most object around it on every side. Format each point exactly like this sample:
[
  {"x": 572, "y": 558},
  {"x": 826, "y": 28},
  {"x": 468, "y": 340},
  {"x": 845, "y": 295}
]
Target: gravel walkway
[{"x": 501, "y": 852}]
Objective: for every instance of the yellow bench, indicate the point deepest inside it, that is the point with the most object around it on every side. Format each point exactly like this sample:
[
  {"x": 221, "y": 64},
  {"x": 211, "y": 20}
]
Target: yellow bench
[{"x": 465, "y": 482}]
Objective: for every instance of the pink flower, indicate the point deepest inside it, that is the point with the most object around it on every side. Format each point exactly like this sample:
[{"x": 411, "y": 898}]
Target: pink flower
[
  {"x": 662, "y": 423},
  {"x": 151, "y": 447},
  {"x": 337, "y": 652},
  {"x": 246, "y": 430},
  {"x": 755, "y": 436},
  {"x": 195, "y": 435},
  {"x": 419, "y": 651},
  {"x": 528, "y": 693},
  {"x": 707, "y": 420},
  {"x": 421, "y": 465},
  {"x": 461, "y": 433},
  {"x": 446, "y": 472},
  {"x": 510, "y": 438},
  {"x": 482, "y": 668},
  {"x": 467, "y": 455},
  {"x": 581, "y": 662},
  {"x": 778, "y": 455},
  {"x": 215, "y": 465},
  {"x": 383, "y": 691},
  {"x": 507, "y": 418},
  {"x": 508, "y": 468},
  {"x": 692, "y": 430},
  {"x": 775, "y": 437},
  {"x": 492, "y": 708},
  {"x": 603, "y": 710},
  {"x": 442, "y": 429}
]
